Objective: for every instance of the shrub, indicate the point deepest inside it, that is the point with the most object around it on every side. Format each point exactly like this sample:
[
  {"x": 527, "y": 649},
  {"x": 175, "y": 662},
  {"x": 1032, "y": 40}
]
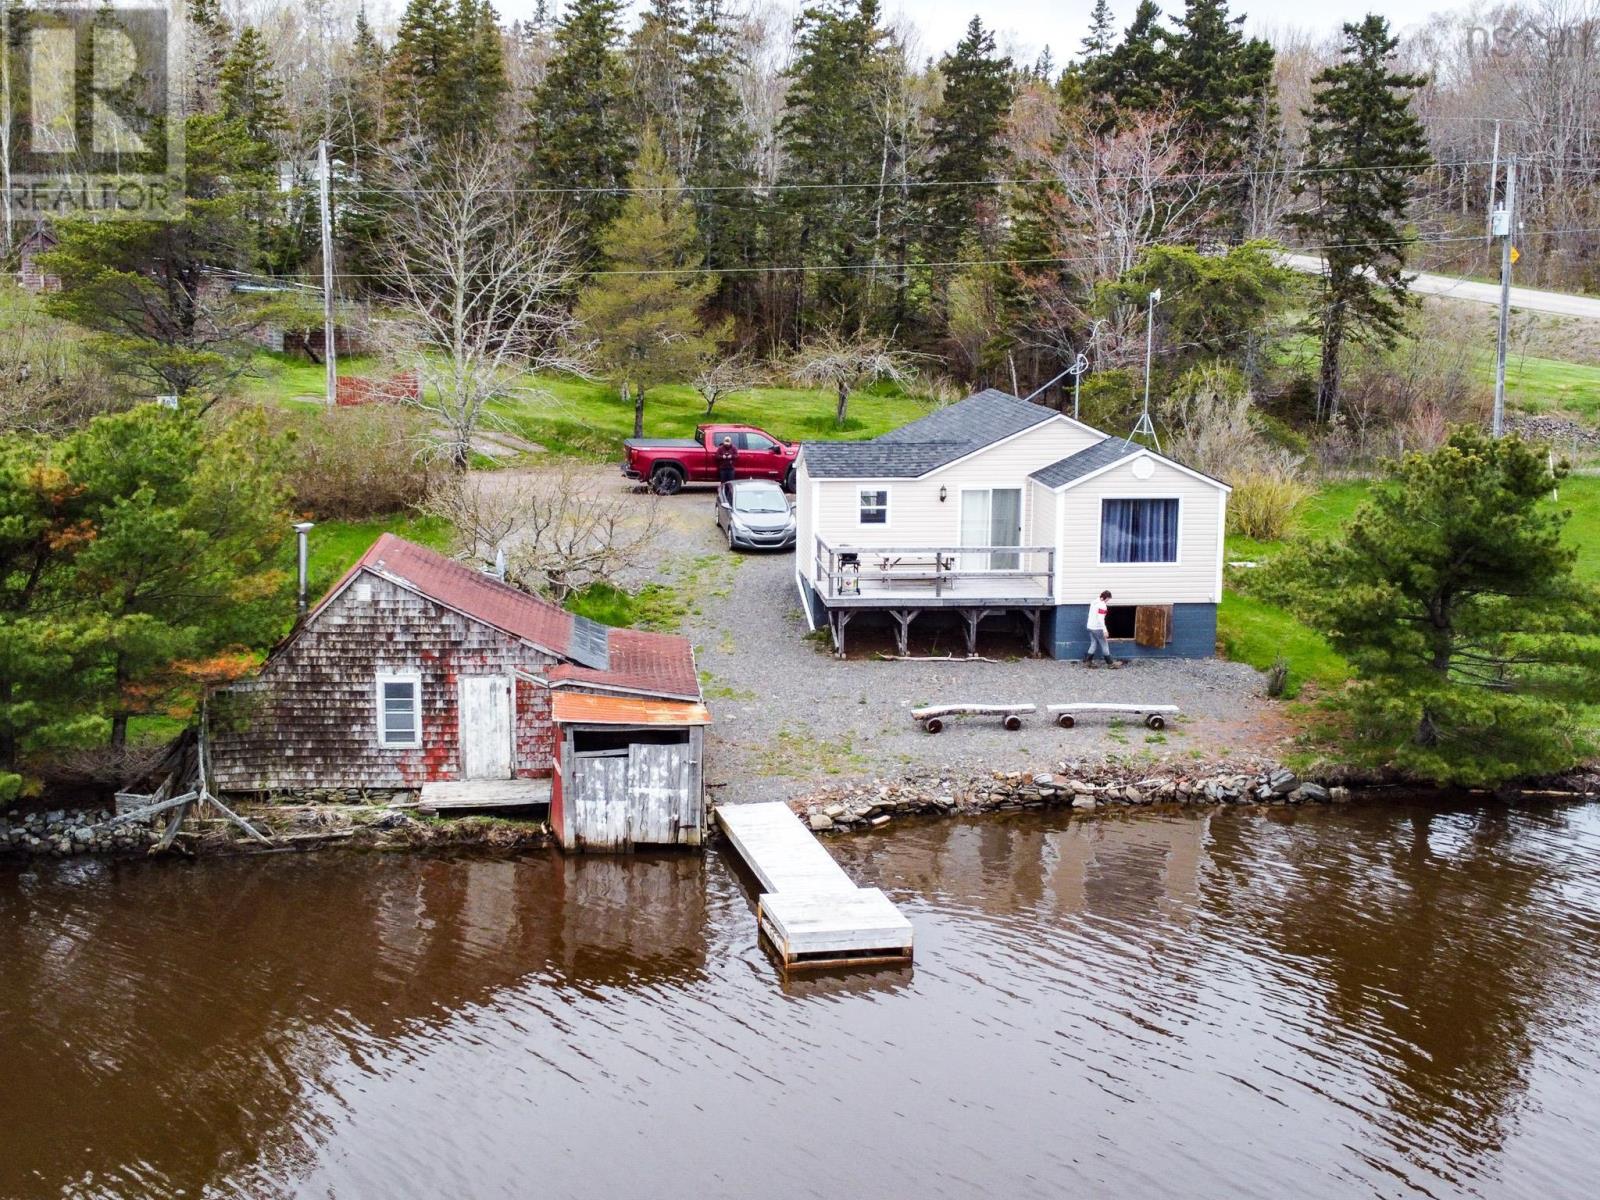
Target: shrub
[
  {"x": 10, "y": 787},
  {"x": 350, "y": 464},
  {"x": 1264, "y": 502}
]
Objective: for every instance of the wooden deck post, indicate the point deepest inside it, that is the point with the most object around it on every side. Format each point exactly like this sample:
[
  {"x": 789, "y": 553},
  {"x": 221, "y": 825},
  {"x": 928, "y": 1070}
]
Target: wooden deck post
[
  {"x": 1033, "y": 615},
  {"x": 902, "y": 633}
]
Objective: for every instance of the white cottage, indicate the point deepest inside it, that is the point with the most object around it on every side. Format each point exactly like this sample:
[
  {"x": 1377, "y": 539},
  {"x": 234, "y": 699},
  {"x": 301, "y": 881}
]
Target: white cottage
[{"x": 998, "y": 506}]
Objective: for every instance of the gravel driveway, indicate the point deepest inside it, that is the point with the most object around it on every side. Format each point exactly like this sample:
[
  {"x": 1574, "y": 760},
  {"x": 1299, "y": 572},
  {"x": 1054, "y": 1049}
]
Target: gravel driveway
[{"x": 790, "y": 716}]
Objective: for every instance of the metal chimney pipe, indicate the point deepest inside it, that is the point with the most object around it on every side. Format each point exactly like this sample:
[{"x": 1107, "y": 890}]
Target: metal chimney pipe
[{"x": 301, "y": 528}]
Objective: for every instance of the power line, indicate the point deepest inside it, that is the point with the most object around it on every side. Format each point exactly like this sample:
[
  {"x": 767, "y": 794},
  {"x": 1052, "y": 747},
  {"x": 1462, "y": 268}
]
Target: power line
[
  {"x": 919, "y": 184},
  {"x": 878, "y": 265}
]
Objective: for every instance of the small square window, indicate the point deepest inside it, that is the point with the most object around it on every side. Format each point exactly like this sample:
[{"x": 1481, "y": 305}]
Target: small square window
[
  {"x": 399, "y": 711},
  {"x": 874, "y": 506}
]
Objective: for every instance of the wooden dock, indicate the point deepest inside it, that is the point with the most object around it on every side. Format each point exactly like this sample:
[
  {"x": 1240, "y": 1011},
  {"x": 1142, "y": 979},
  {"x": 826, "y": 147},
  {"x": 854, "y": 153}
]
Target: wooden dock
[{"x": 810, "y": 910}]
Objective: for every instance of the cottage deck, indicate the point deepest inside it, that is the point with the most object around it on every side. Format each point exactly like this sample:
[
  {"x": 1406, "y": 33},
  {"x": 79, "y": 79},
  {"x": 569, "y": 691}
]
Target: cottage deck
[{"x": 810, "y": 910}]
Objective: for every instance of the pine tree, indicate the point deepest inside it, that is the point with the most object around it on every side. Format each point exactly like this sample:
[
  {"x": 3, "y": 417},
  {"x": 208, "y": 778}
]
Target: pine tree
[
  {"x": 447, "y": 71},
  {"x": 646, "y": 318},
  {"x": 1364, "y": 149},
  {"x": 250, "y": 95},
  {"x": 1102, "y": 31},
  {"x": 209, "y": 36},
  {"x": 723, "y": 149},
  {"x": 1452, "y": 593},
  {"x": 832, "y": 144},
  {"x": 967, "y": 148},
  {"x": 1222, "y": 84},
  {"x": 478, "y": 82},
  {"x": 579, "y": 121},
  {"x": 1134, "y": 73}
]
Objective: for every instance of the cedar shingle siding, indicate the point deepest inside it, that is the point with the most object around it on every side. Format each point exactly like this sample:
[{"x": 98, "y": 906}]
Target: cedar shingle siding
[{"x": 309, "y": 719}]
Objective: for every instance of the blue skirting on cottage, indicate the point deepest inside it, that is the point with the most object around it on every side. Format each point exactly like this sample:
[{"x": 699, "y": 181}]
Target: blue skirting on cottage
[{"x": 1194, "y": 634}]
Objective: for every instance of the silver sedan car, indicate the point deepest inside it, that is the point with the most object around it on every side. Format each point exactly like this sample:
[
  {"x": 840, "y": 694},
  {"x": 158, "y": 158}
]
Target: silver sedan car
[{"x": 756, "y": 515}]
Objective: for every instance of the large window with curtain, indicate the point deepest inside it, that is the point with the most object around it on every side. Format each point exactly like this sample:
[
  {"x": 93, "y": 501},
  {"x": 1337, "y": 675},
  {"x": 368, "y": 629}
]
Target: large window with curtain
[{"x": 1139, "y": 531}]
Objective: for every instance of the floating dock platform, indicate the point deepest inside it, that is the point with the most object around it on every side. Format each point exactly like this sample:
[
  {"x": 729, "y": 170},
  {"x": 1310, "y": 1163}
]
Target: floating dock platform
[{"x": 809, "y": 909}]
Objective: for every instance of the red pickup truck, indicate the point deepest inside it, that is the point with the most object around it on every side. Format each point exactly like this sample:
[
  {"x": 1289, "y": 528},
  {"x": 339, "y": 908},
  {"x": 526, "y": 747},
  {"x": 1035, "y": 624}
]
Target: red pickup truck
[{"x": 666, "y": 464}]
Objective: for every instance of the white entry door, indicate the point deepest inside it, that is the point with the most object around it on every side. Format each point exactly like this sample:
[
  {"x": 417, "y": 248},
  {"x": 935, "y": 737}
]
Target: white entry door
[
  {"x": 991, "y": 517},
  {"x": 485, "y": 726}
]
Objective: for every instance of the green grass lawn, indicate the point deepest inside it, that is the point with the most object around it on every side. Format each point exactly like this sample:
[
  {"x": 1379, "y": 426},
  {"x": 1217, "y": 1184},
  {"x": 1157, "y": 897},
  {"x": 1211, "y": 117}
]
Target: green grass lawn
[
  {"x": 588, "y": 419},
  {"x": 335, "y": 545},
  {"x": 1542, "y": 385}
]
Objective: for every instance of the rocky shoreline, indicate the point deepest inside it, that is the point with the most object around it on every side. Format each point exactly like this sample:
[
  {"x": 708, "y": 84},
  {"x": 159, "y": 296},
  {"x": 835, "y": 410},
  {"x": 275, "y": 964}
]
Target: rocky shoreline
[
  {"x": 1085, "y": 787},
  {"x": 65, "y": 833}
]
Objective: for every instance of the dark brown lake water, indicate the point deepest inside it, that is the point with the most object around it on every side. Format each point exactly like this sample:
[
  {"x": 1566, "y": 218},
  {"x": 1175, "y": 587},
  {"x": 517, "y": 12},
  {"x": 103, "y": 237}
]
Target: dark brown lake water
[{"x": 1363, "y": 1001}]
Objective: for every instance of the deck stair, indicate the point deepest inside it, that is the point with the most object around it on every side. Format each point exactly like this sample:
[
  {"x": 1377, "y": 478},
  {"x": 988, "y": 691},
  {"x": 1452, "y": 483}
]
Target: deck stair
[{"x": 811, "y": 912}]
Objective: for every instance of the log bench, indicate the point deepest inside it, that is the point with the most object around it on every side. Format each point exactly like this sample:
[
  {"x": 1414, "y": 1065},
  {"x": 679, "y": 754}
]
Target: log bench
[
  {"x": 1154, "y": 715},
  {"x": 933, "y": 717}
]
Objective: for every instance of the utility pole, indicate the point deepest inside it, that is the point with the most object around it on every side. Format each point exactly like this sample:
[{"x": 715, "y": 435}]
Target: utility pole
[
  {"x": 329, "y": 351},
  {"x": 1505, "y": 228}
]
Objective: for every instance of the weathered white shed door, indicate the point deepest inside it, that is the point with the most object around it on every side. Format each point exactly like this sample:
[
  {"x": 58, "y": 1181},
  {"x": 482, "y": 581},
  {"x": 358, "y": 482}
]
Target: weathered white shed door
[
  {"x": 657, "y": 780},
  {"x": 485, "y": 706},
  {"x": 600, "y": 801}
]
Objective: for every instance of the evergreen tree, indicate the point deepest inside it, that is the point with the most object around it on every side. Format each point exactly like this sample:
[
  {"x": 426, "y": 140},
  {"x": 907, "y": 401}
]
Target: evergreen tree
[
  {"x": 1364, "y": 149},
  {"x": 209, "y": 36},
  {"x": 1222, "y": 83},
  {"x": 447, "y": 70},
  {"x": 832, "y": 146},
  {"x": 722, "y": 159},
  {"x": 251, "y": 97},
  {"x": 1102, "y": 31},
  {"x": 1135, "y": 72},
  {"x": 646, "y": 317},
  {"x": 1452, "y": 594},
  {"x": 579, "y": 119},
  {"x": 967, "y": 148}
]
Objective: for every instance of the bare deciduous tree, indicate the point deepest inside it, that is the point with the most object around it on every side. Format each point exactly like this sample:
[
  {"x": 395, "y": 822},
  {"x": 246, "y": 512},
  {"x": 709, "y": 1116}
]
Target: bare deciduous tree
[
  {"x": 723, "y": 375},
  {"x": 845, "y": 364},
  {"x": 481, "y": 280},
  {"x": 557, "y": 534},
  {"x": 1113, "y": 194}
]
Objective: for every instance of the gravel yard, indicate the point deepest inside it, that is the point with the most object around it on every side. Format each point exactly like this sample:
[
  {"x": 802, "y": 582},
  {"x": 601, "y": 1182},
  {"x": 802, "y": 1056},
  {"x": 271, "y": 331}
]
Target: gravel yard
[{"x": 790, "y": 716}]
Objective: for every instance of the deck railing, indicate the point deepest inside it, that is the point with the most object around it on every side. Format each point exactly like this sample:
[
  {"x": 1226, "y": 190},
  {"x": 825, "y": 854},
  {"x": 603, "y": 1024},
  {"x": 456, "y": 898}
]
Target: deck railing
[{"x": 841, "y": 571}]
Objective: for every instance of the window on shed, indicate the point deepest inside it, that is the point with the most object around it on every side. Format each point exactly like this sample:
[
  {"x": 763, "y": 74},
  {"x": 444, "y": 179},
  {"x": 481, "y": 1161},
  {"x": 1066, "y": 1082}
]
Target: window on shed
[
  {"x": 1139, "y": 531},
  {"x": 874, "y": 506},
  {"x": 399, "y": 711}
]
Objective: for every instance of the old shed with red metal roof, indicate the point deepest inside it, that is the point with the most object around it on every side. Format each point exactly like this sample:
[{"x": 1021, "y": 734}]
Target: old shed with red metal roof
[{"x": 419, "y": 677}]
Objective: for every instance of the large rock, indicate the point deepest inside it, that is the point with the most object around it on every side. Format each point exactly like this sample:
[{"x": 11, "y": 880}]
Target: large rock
[
  {"x": 1315, "y": 793},
  {"x": 820, "y": 821}
]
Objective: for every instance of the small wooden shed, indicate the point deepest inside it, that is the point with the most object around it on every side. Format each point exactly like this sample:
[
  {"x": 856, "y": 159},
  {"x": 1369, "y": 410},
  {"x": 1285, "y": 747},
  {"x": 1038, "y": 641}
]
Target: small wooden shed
[{"x": 629, "y": 772}]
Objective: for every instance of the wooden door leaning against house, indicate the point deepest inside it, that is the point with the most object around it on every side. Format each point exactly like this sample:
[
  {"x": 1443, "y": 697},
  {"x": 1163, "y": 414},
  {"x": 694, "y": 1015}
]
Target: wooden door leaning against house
[
  {"x": 1152, "y": 625},
  {"x": 485, "y": 716}
]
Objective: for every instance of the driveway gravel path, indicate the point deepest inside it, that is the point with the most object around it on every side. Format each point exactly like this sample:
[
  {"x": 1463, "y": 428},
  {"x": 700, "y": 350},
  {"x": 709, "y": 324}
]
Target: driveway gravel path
[{"x": 789, "y": 716}]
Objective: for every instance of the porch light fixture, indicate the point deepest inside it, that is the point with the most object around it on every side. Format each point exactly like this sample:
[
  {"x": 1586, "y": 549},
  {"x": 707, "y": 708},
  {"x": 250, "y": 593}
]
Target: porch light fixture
[{"x": 943, "y": 492}]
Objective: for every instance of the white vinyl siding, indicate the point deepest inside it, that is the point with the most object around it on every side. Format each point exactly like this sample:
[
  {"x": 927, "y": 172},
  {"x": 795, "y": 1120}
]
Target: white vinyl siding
[
  {"x": 918, "y": 516},
  {"x": 399, "y": 696},
  {"x": 1192, "y": 579}
]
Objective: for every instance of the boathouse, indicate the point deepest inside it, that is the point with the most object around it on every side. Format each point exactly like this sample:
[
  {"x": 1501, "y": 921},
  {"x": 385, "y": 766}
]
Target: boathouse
[{"x": 417, "y": 677}]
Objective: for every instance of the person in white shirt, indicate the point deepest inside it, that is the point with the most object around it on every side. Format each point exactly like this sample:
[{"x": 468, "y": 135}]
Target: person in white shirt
[{"x": 1098, "y": 641}]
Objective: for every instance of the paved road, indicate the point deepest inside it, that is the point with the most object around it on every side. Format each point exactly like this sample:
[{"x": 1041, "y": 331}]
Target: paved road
[{"x": 1451, "y": 288}]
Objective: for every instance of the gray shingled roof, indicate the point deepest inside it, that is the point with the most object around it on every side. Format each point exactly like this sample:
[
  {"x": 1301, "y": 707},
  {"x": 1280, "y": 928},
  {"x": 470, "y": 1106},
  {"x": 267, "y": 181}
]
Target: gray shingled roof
[
  {"x": 1086, "y": 461},
  {"x": 932, "y": 441}
]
